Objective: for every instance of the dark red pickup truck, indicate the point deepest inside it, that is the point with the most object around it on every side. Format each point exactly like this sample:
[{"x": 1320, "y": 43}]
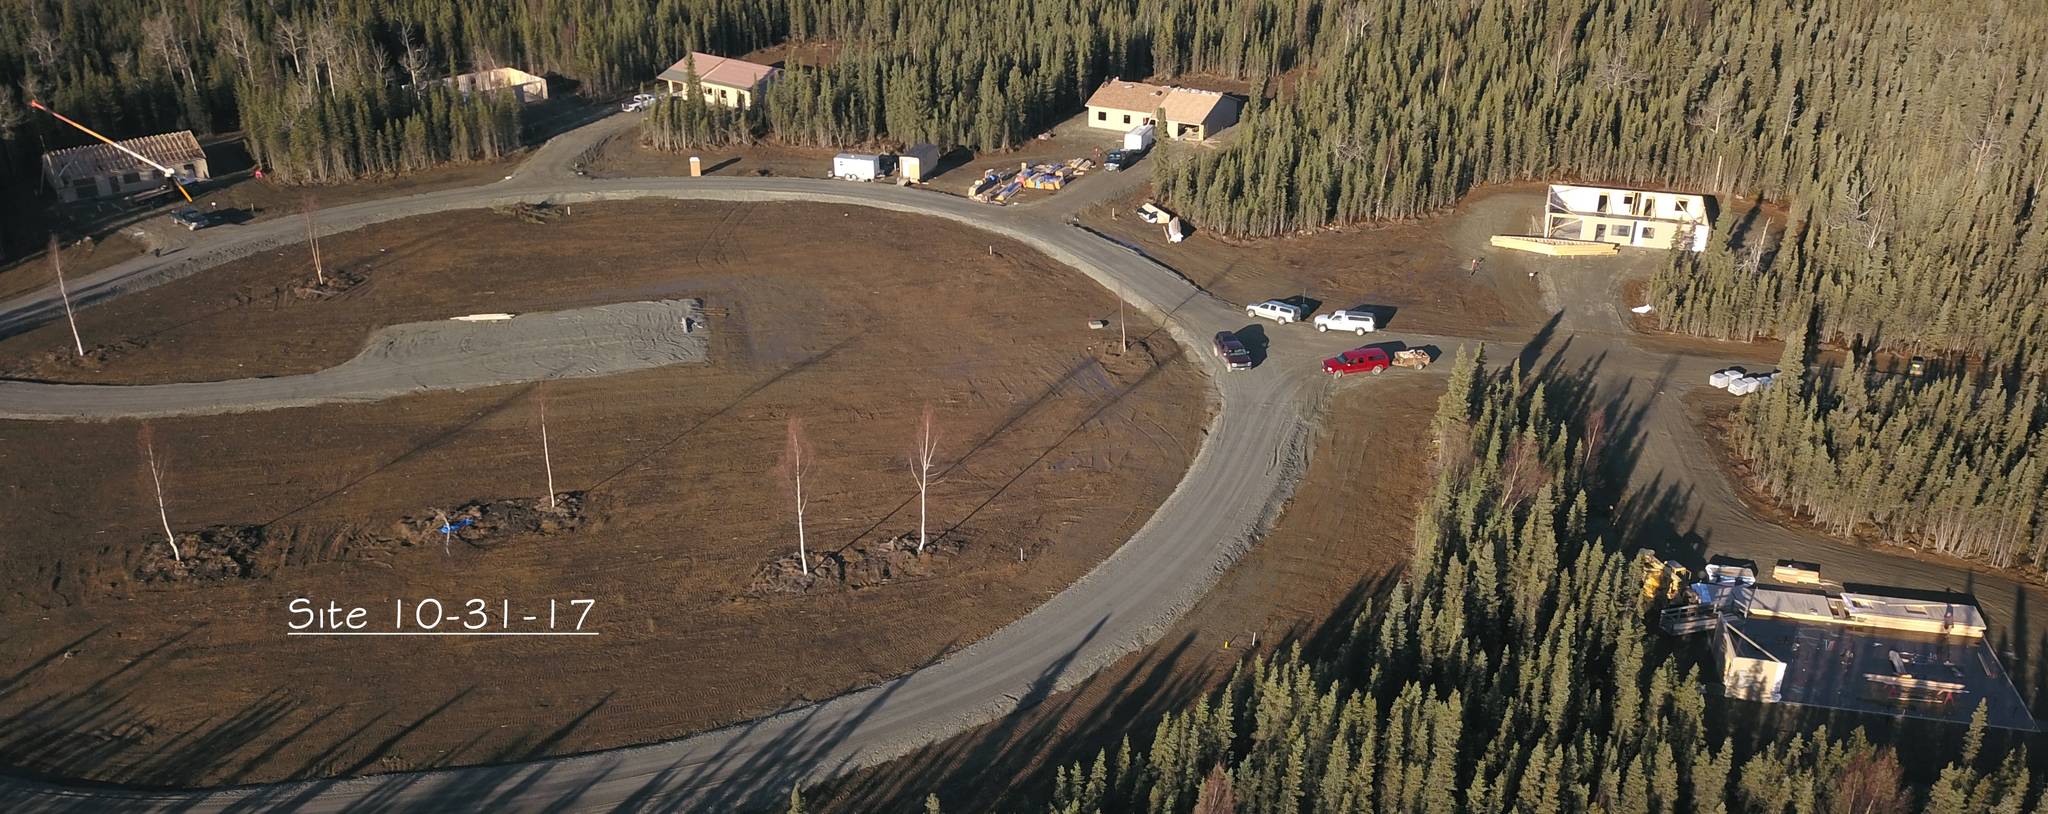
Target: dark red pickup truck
[
  {"x": 1357, "y": 360},
  {"x": 1232, "y": 352}
]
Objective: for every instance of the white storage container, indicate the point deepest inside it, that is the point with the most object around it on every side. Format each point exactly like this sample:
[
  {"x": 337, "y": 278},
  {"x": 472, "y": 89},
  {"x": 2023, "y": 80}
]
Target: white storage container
[{"x": 1139, "y": 139}]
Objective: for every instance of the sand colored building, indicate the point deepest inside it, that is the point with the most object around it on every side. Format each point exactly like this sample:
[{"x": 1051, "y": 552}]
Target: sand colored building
[
  {"x": 734, "y": 83},
  {"x": 1190, "y": 114},
  {"x": 1627, "y": 217}
]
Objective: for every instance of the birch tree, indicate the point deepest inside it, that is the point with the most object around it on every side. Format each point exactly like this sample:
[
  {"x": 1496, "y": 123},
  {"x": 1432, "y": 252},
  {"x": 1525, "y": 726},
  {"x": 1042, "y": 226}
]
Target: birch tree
[
  {"x": 57, "y": 264},
  {"x": 796, "y": 455},
  {"x": 146, "y": 439},
  {"x": 547, "y": 458},
  {"x": 307, "y": 207},
  {"x": 922, "y": 461}
]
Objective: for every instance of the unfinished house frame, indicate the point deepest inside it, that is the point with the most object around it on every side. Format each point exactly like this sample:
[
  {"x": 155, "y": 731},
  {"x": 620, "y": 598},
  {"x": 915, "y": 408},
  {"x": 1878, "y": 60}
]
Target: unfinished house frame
[{"x": 1627, "y": 217}]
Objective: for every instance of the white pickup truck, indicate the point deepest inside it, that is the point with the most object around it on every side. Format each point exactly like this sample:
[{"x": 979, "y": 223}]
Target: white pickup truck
[
  {"x": 1358, "y": 322},
  {"x": 1275, "y": 310}
]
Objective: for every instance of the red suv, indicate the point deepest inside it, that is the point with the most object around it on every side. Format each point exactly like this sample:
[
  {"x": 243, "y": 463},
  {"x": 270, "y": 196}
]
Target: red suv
[{"x": 1357, "y": 360}]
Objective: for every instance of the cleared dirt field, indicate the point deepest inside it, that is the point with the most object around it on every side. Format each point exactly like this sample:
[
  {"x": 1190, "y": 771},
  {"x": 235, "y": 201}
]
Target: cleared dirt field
[
  {"x": 1057, "y": 448},
  {"x": 624, "y": 157},
  {"x": 1416, "y": 275},
  {"x": 1344, "y": 538}
]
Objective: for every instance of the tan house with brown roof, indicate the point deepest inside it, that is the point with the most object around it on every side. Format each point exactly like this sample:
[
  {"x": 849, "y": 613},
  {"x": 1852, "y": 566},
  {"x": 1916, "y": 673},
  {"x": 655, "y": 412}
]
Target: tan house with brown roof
[
  {"x": 726, "y": 81},
  {"x": 96, "y": 170},
  {"x": 1190, "y": 114}
]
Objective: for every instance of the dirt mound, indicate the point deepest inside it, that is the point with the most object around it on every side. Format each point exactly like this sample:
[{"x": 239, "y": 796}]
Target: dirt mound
[
  {"x": 96, "y": 357},
  {"x": 330, "y": 284},
  {"x": 211, "y": 554},
  {"x": 484, "y": 524},
  {"x": 861, "y": 565},
  {"x": 220, "y": 553}
]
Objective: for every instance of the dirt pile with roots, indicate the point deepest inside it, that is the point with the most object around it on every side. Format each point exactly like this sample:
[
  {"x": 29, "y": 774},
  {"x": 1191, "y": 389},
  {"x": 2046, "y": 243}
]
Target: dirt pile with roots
[
  {"x": 861, "y": 565},
  {"x": 220, "y": 553}
]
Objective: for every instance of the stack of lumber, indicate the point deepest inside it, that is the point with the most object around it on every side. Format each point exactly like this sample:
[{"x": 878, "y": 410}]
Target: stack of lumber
[{"x": 1556, "y": 246}]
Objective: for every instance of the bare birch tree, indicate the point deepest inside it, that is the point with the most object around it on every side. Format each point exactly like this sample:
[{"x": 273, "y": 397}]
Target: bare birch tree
[
  {"x": 308, "y": 206},
  {"x": 795, "y": 463},
  {"x": 547, "y": 458},
  {"x": 64, "y": 293},
  {"x": 146, "y": 439},
  {"x": 414, "y": 59},
  {"x": 922, "y": 461}
]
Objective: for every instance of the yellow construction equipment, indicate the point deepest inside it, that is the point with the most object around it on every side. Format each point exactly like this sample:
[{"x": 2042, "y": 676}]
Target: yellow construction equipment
[{"x": 1663, "y": 579}]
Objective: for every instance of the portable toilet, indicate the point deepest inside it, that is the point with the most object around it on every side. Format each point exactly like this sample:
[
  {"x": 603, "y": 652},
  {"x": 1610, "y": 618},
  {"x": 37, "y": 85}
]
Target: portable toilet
[
  {"x": 1139, "y": 139},
  {"x": 858, "y": 166},
  {"x": 919, "y": 162}
]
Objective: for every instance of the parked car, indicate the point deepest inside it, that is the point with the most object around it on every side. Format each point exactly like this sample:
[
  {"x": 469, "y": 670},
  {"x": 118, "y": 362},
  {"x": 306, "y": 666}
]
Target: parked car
[
  {"x": 1275, "y": 310},
  {"x": 1357, "y": 360},
  {"x": 1150, "y": 212},
  {"x": 640, "y": 101},
  {"x": 1358, "y": 322},
  {"x": 1119, "y": 159},
  {"x": 1232, "y": 351},
  {"x": 193, "y": 218}
]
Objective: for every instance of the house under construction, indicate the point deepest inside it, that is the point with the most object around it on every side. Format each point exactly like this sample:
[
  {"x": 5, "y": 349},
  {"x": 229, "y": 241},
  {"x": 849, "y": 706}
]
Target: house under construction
[
  {"x": 1627, "y": 217},
  {"x": 1888, "y": 651}
]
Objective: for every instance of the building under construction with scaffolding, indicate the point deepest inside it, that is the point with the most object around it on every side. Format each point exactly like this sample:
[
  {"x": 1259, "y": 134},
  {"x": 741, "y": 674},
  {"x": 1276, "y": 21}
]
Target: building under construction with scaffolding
[{"x": 1797, "y": 639}]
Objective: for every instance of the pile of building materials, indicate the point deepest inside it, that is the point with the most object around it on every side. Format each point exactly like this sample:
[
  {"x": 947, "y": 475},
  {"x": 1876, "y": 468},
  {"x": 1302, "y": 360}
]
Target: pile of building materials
[
  {"x": 1555, "y": 246},
  {"x": 1054, "y": 176},
  {"x": 1740, "y": 383},
  {"x": 995, "y": 186}
]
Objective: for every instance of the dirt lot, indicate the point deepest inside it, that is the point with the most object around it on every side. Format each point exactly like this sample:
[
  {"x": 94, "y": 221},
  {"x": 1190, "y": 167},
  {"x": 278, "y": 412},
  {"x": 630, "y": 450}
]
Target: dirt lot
[
  {"x": 1416, "y": 275},
  {"x": 624, "y": 157},
  {"x": 1342, "y": 540},
  {"x": 1056, "y": 449}
]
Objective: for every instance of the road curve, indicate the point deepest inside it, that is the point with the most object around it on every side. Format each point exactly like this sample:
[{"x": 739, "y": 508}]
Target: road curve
[{"x": 1233, "y": 489}]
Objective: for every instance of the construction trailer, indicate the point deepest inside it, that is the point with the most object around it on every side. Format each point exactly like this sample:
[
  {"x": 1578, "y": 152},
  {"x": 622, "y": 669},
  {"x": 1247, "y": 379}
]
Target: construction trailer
[
  {"x": 520, "y": 85},
  {"x": 918, "y": 163},
  {"x": 860, "y": 166},
  {"x": 1627, "y": 217},
  {"x": 102, "y": 170}
]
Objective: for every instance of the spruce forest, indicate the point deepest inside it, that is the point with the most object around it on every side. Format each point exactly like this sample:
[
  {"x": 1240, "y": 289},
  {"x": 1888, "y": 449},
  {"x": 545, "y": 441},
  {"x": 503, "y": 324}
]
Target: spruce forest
[{"x": 1510, "y": 670}]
